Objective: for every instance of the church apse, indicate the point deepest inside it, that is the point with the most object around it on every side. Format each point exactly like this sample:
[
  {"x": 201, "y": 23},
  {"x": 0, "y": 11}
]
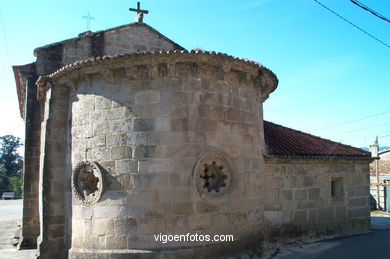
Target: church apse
[{"x": 179, "y": 146}]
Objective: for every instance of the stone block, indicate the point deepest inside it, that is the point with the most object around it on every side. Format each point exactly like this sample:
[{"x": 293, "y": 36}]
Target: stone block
[
  {"x": 174, "y": 97},
  {"x": 152, "y": 225},
  {"x": 99, "y": 141},
  {"x": 116, "y": 113},
  {"x": 78, "y": 145},
  {"x": 220, "y": 220},
  {"x": 178, "y": 224},
  {"x": 149, "y": 181},
  {"x": 116, "y": 242},
  {"x": 82, "y": 132},
  {"x": 300, "y": 195},
  {"x": 179, "y": 124},
  {"x": 136, "y": 138},
  {"x": 162, "y": 165},
  {"x": 143, "y": 166},
  {"x": 287, "y": 195},
  {"x": 81, "y": 212},
  {"x": 143, "y": 197},
  {"x": 159, "y": 210},
  {"x": 198, "y": 222},
  {"x": 273, "y": 217},
  {"x": 88, "y": 103},
  {"x": 307, "y": 204},
  {"x": 325, "y": 214},
  {"x": 238, "y": 218},
  {"x": 360, "y": 190},
  {"x": 102, "y": 103},
  {"x": 102, "y": 227},
  {"x": 162, "y": 124},
  {"x": 101, "y": 153},
  {"x": 271, "y": 195},
  {"x": 126, "y": 166},
  {"x": 359, "y": 212},
  {"x": 101, "y": 128},
  {"x": 139, "y": 111},
  {"x": 93, "y": 242},
  {"x": 141, "y": 125},
  {"x": 314, "y": 193},
  {"x": 121, "y": 152},
  {"x": 255, "y": 215},
  {"x": 312, "y": 216},
  {"x": 125, "y": 226},
  {"x": 205, "y": 125},
  {"x": 179, "y": 208},
  {"x": 112, "y": 198},
  {"x": 116, "y": 139},
  {"x": 147, "y": 97},
  {"x": 143, "y": 151},
  {"x": 106, "y": 212},
  {"x": 357, "y": 202},
  {"x": 87, "y": 227},
  {"x": 308, "y": 181},
  {"x": 203, "y": 206},
  {"x": 340, "y": 212},
  {"x": 122, "y": 125},
  {"x": 300, "y": 217}
]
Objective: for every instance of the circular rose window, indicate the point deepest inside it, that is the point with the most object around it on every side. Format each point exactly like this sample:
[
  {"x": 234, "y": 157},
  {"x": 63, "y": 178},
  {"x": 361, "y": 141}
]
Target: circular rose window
[
  {"x": 213, "y": 175},
  {"x": 87, "y": 183}
]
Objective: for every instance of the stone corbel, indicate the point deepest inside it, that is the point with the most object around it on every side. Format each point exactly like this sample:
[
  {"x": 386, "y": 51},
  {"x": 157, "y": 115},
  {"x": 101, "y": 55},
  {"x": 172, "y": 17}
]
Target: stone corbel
[
  {"x": 129, "y": 72},
  {"x": 109, "y": 76},
  {"x": 42, "y": 87}
]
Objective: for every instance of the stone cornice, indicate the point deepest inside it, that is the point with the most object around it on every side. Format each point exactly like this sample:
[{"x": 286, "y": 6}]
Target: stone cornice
[{"x": 263, "y": 78}]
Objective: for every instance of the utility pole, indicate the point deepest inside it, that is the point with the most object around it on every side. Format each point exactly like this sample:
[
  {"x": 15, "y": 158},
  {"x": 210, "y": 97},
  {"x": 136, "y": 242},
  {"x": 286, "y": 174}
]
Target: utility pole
[{"x": 374, "y": 153}]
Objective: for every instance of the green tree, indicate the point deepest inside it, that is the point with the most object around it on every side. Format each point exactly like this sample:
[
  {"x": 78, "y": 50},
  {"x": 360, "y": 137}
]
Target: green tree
[{"x": 10, "y": 168}]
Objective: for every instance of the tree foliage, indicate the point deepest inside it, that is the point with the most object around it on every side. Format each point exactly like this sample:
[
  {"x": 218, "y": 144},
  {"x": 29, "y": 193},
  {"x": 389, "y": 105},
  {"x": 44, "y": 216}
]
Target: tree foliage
[{"x": 10, "y": 168}]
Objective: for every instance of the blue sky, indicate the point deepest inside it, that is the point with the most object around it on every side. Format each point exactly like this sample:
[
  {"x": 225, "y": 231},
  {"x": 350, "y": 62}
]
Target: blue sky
[{"x": 329, "y": 72}]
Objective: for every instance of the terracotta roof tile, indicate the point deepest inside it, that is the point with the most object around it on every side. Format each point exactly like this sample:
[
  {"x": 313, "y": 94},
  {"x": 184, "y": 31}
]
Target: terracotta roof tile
[{"x": 285, "y": 142}]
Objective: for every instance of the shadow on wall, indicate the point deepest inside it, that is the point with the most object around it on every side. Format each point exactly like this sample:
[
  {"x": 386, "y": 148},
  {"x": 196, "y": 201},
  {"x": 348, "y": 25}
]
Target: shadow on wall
[{"x": 373, "y": 203}]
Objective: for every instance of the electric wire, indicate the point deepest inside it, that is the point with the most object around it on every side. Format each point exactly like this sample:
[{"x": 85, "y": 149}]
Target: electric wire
[
  {"x": 357, "y": 27},
  {"x": 351, "y": 131},
  {"x": 370, "y": 10},
  {"x": 352, "y": 121}
]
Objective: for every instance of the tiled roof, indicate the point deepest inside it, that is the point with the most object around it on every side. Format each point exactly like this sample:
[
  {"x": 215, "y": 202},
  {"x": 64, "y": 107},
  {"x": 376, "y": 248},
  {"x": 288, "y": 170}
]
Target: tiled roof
[{"x": 285, "y": 142}]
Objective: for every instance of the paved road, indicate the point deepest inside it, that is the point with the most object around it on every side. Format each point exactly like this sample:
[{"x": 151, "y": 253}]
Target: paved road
[
  {"x": 10, "y": 218},
  {"x": 374, "y": 244}
]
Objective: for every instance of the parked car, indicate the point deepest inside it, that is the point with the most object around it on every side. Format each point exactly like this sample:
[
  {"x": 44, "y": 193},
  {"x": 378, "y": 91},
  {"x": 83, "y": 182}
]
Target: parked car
[{"x": 8, "y": 196}]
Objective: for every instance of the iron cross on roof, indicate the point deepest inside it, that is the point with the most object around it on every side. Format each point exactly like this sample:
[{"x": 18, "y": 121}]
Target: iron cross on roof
[{"x": 140, "y": 13}]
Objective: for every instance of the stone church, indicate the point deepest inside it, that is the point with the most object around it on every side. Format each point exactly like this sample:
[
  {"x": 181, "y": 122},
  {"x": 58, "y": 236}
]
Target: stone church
[{"x": 129, "y": 135}]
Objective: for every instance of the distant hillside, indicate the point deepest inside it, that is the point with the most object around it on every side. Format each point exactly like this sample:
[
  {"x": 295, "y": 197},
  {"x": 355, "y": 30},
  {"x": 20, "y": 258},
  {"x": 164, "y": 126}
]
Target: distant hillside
[{"x": 380, "y": 148}]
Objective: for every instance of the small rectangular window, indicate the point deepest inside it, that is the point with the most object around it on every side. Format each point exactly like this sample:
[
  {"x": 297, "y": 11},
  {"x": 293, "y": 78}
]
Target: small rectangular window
[{"x": 337, "y": 188}]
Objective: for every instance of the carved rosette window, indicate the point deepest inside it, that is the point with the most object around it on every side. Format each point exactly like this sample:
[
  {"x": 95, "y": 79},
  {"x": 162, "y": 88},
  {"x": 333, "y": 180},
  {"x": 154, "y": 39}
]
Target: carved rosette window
[
  {"x": 214, "y": 175},
  {"x": 87, "y": 183}
]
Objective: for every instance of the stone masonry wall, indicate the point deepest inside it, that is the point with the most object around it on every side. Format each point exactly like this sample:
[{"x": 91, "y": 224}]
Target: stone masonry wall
[
  {"x": 147, "y": 124},
  {"x": 33, "y": 111},
  {"x": 131, "y": 38},
  {"x": 299, "y": 200},
  {"x": 53, "y": 170}
]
